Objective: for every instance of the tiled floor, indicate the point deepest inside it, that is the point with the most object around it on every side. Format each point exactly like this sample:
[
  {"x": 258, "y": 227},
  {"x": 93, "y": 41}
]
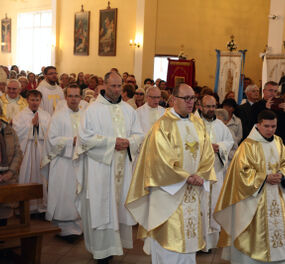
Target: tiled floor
[{"x": 57, "y": 251}]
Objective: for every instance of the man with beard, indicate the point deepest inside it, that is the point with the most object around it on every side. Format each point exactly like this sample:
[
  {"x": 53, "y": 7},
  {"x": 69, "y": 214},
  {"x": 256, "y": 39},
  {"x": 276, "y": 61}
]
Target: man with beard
[
  {"x": 51, "y": 92},
  {"x": 222, "y": 142},
  {"x": 109, "y": 137}
]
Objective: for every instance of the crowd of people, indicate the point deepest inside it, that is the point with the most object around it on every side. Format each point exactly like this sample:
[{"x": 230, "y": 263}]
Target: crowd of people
[{"x": 177, "y": 161}]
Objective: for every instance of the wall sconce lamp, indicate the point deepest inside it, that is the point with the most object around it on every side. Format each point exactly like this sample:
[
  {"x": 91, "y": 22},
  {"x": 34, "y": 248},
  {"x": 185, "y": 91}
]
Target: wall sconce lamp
[{"x": 134, "y": 43}]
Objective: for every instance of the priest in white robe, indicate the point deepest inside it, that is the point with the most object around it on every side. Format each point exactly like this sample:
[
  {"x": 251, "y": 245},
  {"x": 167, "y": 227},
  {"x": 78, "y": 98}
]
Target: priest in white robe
[
  {"x": 109, "y": 136},
  {"x": 151, "y": 111},
  {"x": 11, "y": 101},
  {"x": 174, "y": 166},
  {"x": 222, "y": 142},
  {"x": 31, "y": 125},
  {"x": 58, "y": 167},
  {"x": 251, "y": 207},
  {"x": 51, "y": 92}
]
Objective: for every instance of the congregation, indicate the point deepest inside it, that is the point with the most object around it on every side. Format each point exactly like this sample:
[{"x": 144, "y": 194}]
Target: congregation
[{"x": 181, "y": 162}]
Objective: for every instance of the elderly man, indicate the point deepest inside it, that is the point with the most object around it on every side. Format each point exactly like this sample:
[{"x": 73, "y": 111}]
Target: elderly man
[
  {"x": 109, "y": 137},
  {"x": 251, "y": 204},
  {"x": 151, "y": 111},
  {"x": 138, "y": 99},
  {"x": 244, "y": 111},
  {"x": 31, "y": 125},
  {"x": 175, "y": 162},
  {"x": 222, "y": 142},
  {"x": 267, "y": 102},
  {"x": 12, "y": 102},
  {"x": 51, "y": 92},
  {"x": 11, "y": 157},
  {"x": 58, "y": 167}
]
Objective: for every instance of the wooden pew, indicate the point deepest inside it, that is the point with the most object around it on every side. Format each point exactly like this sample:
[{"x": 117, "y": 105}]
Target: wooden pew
[{"x": 30, "y": 234}]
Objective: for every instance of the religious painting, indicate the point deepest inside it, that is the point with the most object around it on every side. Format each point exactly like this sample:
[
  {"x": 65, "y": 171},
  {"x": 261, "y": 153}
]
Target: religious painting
[
  {"x": 108, "y": 32},
  {"x": 81, "y": 33},
  {"x": 178, "y": 80},
  {"x": 6, "y": 35}
]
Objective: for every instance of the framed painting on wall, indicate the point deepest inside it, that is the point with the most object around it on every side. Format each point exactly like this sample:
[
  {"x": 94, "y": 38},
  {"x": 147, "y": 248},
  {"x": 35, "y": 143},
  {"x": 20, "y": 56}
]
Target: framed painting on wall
[
  {"x": 108, "y": 32},
  {"x": 81, "y": 33},
  {"x": 6, "y": 35}
]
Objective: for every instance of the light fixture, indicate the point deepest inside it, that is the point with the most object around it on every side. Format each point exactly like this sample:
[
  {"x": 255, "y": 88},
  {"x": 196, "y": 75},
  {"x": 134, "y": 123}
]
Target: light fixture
[{"x": 134, "y": 43}]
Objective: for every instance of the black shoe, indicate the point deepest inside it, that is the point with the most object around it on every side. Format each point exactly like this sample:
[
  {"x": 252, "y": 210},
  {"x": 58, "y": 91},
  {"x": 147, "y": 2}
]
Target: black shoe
[
  {"x": 71, "y": 238},
  {"x": 105, "y": 260}
]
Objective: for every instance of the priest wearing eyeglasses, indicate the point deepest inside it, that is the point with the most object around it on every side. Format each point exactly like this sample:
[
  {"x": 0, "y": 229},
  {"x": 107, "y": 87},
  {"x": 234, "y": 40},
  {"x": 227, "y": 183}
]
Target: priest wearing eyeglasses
[
  {"x": 151, "y": 111},
  {"x": 174, "y": 166}
]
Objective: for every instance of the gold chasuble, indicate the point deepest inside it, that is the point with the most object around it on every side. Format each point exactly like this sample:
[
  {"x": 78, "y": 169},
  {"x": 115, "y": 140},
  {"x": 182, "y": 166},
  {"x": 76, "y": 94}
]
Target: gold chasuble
[
  {"x": 172, "y": 151},
  {"x": 11, "y": 107},
  {"x": 251, "y": 211}
]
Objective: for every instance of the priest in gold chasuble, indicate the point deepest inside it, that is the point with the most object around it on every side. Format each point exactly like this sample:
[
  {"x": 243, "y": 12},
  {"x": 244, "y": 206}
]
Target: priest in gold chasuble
[
  {"x": 175, "y": 164},
  {"x": 251, "y": 206}
]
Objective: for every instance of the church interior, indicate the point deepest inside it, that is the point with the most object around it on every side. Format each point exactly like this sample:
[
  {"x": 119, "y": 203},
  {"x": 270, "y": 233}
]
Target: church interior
[{"x": 145, "y": 30}]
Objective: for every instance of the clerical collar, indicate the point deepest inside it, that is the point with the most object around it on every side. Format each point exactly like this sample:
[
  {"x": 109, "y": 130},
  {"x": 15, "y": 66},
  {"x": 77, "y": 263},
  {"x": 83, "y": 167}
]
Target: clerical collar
[
  {"x": 267, "y": 139},
  {"x": 102, "y": 92},
  {"x": 182, "y": 117}
]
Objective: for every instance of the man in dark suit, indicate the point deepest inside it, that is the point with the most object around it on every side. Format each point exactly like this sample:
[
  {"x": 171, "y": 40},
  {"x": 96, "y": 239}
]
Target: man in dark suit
[{"x": 244, "y": 111}]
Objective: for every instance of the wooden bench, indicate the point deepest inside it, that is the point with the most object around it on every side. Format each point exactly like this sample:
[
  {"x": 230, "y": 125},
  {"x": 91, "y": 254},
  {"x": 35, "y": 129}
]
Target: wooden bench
[{"x": 30, "y": 235}]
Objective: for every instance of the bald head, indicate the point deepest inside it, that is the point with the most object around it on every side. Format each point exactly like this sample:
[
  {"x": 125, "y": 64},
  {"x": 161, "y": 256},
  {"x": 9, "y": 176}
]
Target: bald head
[
  {"x": 184, "y": 99},
  {"x": 153, "y": 95}
]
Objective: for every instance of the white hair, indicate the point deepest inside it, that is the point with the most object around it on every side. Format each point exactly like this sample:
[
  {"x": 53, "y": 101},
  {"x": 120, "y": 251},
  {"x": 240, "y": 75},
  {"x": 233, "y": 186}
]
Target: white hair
[
  {"x": 222, "y": 113},
  {"x": 250, "y": 87},
  {"x": 13, "y": 81},
  {"x": 151, "y": 88}
]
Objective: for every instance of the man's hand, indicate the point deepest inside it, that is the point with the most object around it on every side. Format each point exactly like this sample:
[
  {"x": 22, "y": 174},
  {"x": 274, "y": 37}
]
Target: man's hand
[
  {"x": 215, "y": 148},
  {"x": 121, "y": 144},
  {"x": 35, "y": 120},
  {"x": 274, "y": 178},
  {"x": 195, "y": 180},
  {"x": 6, "y": 177},
  {"x": 268, "y": 104},
  {"x": 74, "y": 141}
]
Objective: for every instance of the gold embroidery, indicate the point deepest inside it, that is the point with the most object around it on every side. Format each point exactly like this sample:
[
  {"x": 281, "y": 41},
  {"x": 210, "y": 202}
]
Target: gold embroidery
[
  {"x": 274, "y": 209},
  {"x": 276, "y": 239},
  {"x": 189, "y": 197},
  {"x": 54, "y": 98},
  {"x": 193, "y": 147},
  {"x": 272, "y": 167},
  {"x": 190, "y": 229}
]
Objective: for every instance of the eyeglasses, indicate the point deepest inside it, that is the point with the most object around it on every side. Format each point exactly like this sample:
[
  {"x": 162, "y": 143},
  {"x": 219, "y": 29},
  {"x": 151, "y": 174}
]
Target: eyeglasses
[
  {"x": 139, "y": 93},
  {"x": 187, "y": 98}
]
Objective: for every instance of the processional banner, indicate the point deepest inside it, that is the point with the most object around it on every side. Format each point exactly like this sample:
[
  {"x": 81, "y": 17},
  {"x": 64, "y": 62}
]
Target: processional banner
[
  {"x": 273, "y": 67},
  {"x": 180, "y": 71},
  {"x": 229, "y": 72}
]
